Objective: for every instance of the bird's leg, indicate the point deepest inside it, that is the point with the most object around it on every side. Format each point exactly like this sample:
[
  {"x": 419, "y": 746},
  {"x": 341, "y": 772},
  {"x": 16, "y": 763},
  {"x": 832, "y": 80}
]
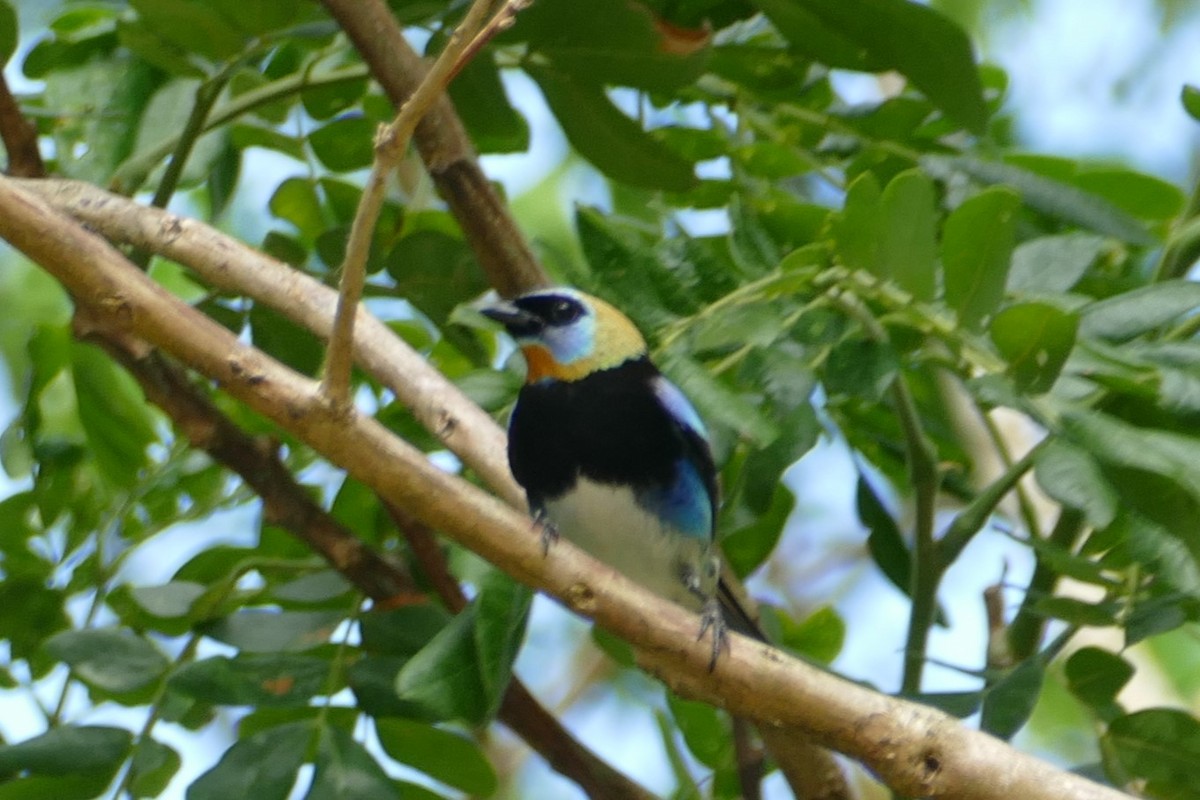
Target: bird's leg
[
  {"x": 547, "y": 529},
  {"x": 712, "y": 617}
]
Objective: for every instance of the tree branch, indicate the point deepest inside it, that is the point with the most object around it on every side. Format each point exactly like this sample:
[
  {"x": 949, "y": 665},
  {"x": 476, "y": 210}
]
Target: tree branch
[
  {"x": 915, "y": 749},
  {"x": 19, "y": 136}
]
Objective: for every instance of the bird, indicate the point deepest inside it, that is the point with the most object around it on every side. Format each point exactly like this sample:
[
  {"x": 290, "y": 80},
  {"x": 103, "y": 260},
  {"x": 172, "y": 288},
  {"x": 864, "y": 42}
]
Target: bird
[{"x": 613, "y": 456}]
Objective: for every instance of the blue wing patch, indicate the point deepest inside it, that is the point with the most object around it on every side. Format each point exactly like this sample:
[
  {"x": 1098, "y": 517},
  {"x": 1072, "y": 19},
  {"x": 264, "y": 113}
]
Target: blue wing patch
[
  {"x": 678, "y": 405},
  {"x": 684, "y": 504}
]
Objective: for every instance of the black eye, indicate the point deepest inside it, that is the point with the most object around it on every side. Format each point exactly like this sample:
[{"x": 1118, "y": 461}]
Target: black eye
[{"x": 563, "y": 312}]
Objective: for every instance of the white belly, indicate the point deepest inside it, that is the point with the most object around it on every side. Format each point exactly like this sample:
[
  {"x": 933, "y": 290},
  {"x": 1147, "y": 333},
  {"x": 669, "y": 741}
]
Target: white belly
[{"x": 608, "y": 523}]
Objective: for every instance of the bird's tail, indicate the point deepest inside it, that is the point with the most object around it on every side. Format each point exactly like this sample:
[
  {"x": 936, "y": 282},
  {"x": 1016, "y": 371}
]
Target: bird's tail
[{"x": 737, "y": 617}]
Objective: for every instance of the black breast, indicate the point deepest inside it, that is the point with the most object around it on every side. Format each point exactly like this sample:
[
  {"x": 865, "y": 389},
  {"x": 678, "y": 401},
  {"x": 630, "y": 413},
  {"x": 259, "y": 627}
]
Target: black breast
[{"x": 609, "y": 427}]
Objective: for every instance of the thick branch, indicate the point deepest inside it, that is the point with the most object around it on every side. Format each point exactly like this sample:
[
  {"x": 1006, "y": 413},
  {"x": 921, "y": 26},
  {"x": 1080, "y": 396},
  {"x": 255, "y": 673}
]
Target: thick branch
[
  {"x": 231, "y": 266},
  {"x": 917, "y": 750}
]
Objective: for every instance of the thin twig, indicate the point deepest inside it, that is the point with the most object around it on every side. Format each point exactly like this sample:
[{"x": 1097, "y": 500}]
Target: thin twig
[
  {"x": 390, "y": 145},
  {"x": 19, "y": 136}
]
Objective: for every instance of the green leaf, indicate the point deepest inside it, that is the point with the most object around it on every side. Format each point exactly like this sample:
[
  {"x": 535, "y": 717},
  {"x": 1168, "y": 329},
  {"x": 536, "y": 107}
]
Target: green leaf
[
  {"x": 1124, "y": 316},
  {"x": 434, "y": 271},
  {"x": 977, "y": 244},
  {"x": 1095, "y": 676},
  {"x": 1190, "y": 97},
  {"x": 316, "y": 588},
  {"x": 8, "y": 31},
  {"x": 293, "y": 344},
  {"x": 169, "y": 600},
  {"x": 401, "y": 631},
  {"x": 704, "y": 729},
  {"x": 819, "y": 637},
  {"x": 862, "y": 368},
  {"x": 1069, "y": 475},
  {"x": 858, "y": 229},
  {"x": 1054, "y": 264},
  {"x": 1008, "y": 705},
  {"x": 115, "y": 661},
  {"x": 502, "y": 611},
  {"x": 41, "y": 616},
  {"x": 68, "y": 750},
  {"x": 259, "y": 631},
  {"x": 1078, "y": 612},
  {"x": 1135, "y": 193},
  {"x": 1161, "y": 745},
  {"x": 443, "y": 755},
  {"x": 614, "y": 43},
  {"x": 611, "y": 141},
  {"x": 748, "y": 547},
  {"x": 346, "y": 771},
  {"x": 443, "y": 677},
  {"x": 256, "y": 17},
  {"x": 908, "y": 247},
  {"x": 345, "y": 144},
  {"x": 717, "y": 403},
  {"x": 926, "y": 47},
  {"x": 296, "y": 201},
  {"x": 191, "y": 26},
  {"x": 114, "y": 415},
  {"x": 152, "y": 767},
  {"x": 263, "y": 766},
  {"x": 272, "y": 679},
  {"x": 1035, "y": 339},
  {"x": 1054, "y": 197},
  {"x": 482, "y": 103},
  {"x": 1157, "y": 452}
]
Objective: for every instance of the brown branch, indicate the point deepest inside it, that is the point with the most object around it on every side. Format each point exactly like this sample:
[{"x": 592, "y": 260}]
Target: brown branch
[
  {"x": 229, "y": 265},
  {"x": 444, "y": 147},
  {"x": 917, "y": 750},
  {"x": 19, "y": 136}
]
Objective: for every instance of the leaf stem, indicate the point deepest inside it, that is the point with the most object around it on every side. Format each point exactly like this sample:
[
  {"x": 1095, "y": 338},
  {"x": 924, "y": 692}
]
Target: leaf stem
[{"x": 1026, "y": 629}]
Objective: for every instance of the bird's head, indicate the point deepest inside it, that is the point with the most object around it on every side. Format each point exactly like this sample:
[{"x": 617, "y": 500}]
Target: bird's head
[{"x": 566, "y": 335}]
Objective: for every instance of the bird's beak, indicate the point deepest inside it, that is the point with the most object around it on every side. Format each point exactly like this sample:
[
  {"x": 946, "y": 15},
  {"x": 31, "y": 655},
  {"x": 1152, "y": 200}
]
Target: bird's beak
[{"x": 518, "y": 321}]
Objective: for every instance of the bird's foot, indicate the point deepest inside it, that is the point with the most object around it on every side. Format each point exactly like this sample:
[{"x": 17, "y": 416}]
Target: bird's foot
[
  {"x": 547, "y": 529},
  {"x": 713, "y": 618}
]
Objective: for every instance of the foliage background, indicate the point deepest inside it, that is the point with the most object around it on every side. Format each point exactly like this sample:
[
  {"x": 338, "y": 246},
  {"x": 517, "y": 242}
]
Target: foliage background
[{"x": 125, "y": 507}]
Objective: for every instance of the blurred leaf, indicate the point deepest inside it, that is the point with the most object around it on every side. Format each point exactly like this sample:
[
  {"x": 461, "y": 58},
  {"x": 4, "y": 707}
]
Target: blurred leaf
[
  {"x": 253, "y": 680},
  {"x": 1054, "y": 263},
  {"x": 191, "y": 26},
  {"x": 956, "y": 704},
  {"x": 858, "y": 229},
  {"x": 283, "y": 339},
  {"x": 1069, "y": 475},
  {"x": 42, "y": 614},
  {"x": 862, "y": 368},
  {"x": 1161, "y": 745},
  {"x": 401, "y": 631},
  {"x": 316, "y": 588},
  {"x": 8, "y": 31},
  {"x": 442, "y": 755},
  {"x": 1078, "y": 612},
  {"x": 1190, "y": 97},
  {"x": 263, "y": 766},
  {"x": 344, "y": 770},
  {"x": 1053, "y": 197},
  {"x": 611, "y": 141},
  {"x": 612, "y": 42},
  {"x": 482, "y": 103},
  {"x": 908, "y": 249},
  {"x": 819, "y": 637},
  {"x": 443, "y": 677},
  {"x": 296, "y": 201},
  {"x": 1135, "y": 193},
  {"x": 502, "y": 611},
  {"x": 1009, "y": 703},
  {"x": 915, "y": 40},
  {"x": 1124, "y": 316},
  {"x": 1095, "y": 676},
  {"x": 1035, "y": 339},
  {"x": 345, "y": 144},
  {"x": 114, "y": 415},
  {"x": 977, "y": 245},
  {"x": 68, "y": 750},
  {"x": 749, "y": 546},
  {"x": 704, "y": 730},
  {"x": 152, "y": 767},
  {"x": 112, "y": 660},
  {"x": 258, "y": 16},
  {"x": 260, "y": 631},
  {"x": 434, "y": 271}
]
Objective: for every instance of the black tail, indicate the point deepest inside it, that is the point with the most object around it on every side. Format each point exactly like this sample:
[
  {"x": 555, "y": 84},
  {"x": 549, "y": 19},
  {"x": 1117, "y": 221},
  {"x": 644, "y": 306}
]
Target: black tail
[{"x": 736, "y": 616}]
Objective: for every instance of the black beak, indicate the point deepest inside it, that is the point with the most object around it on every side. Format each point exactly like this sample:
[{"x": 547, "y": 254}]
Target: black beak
[{"x": 518, "y": 322}]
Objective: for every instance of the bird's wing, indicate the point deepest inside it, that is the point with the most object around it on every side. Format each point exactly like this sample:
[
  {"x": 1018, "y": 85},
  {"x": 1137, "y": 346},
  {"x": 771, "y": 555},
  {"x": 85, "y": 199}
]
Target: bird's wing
[{"x": 694, "y": 434}]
